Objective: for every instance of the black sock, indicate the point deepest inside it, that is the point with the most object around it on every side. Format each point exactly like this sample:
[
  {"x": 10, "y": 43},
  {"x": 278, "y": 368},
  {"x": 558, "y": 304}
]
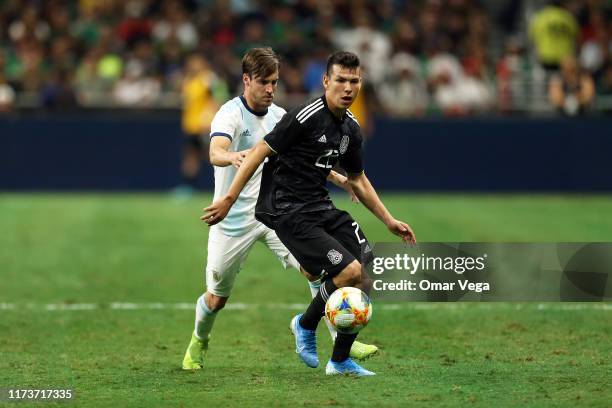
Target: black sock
[
  {"x": 342, "y": 346},
  {"x": 310, "y": 319}
]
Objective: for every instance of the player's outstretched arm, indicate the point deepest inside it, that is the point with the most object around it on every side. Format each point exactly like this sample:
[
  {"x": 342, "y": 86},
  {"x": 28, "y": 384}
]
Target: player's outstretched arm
[
  {"x": 217, "y": 211},
  {"x": 221, "y": 156},
  {"x": 342, "y": 182},
  {"x": 367, "y": 195}
]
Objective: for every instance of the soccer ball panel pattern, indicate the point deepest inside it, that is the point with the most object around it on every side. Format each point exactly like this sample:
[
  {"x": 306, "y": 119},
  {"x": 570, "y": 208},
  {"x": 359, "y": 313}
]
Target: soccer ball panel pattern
[{"x": 348, "y": 309}]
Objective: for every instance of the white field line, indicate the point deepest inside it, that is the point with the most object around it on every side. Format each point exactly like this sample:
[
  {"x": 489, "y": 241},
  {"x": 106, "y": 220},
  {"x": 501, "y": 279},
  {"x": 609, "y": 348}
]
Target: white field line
[{"x": 123, "y": 306}]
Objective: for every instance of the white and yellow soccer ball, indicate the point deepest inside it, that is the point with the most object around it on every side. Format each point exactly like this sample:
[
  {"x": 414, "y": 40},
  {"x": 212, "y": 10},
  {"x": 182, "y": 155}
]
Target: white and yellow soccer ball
[{"x": 348, "y": 309}]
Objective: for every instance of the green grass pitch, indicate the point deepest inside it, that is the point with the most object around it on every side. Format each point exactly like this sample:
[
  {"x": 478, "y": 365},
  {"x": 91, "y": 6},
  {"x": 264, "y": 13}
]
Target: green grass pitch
[{"x": 150, "y": 250}]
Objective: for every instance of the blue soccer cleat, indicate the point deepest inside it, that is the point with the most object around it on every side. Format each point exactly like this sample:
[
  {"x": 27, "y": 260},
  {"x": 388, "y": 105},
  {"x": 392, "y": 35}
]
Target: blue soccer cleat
[
  {"x": 305, "y": 342},
  {"x": 347, "y": 367}
]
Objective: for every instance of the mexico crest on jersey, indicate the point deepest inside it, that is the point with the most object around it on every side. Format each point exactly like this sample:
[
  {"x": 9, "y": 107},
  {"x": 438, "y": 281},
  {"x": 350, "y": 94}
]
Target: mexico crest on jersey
[
  {"x": 334, "y": 256},
  {"x": 344, "y": 144}
]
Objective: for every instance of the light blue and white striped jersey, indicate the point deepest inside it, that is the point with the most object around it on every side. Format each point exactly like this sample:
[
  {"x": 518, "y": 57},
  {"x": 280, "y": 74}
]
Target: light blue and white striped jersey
[{"x": 244, "y": 127}]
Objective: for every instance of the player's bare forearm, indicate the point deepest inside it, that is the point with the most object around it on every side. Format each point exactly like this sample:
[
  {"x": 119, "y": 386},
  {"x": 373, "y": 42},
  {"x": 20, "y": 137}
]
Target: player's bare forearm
[
  {"x": 220, "y": 155},
  {"x": 342, "y": 182},
  {"x": 367, "y": 195},
  {"x": 255, "y": 157},
  {"x": 216, "y": 212},
  {"x": 333, "y": 177}
]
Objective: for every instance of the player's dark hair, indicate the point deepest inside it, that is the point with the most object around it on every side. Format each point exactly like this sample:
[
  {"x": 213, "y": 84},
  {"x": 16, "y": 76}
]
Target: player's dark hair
[
  {"x": 261, "y": 62},
  {"x": 343, "y": 58}
]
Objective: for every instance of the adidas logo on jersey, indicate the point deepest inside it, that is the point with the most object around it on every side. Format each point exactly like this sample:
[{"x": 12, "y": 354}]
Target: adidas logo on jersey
[
  {"x": 245, "y": 133},
  {"x": 322, "y": 139}
]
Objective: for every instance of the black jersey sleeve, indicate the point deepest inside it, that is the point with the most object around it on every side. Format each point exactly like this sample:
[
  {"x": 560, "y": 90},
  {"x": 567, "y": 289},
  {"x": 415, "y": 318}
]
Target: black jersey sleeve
[
  {"x": 352, "y": 160},
  {"x": 285, "y": 134}
]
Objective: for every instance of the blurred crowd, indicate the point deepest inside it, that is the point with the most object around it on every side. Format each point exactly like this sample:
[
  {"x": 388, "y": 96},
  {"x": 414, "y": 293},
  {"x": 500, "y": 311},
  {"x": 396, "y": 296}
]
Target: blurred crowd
[{"x": 454, "y": 57}]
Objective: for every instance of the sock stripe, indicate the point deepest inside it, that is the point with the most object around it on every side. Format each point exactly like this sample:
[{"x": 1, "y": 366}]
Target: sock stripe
[{"x": 324, "y": 293}]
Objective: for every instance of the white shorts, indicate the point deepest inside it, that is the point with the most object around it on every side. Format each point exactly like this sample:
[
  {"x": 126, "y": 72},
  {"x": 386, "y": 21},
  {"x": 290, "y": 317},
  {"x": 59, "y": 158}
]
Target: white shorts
[{"x": 227, "y": 254}]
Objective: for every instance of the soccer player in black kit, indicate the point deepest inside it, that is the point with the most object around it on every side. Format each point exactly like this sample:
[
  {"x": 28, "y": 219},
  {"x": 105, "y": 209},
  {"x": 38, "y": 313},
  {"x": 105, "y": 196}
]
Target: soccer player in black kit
[{"x": 293, "y": 200}]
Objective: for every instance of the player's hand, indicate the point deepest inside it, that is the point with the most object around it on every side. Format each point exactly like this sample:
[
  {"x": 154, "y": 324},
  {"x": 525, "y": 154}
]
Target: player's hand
[
  {"x": 402, "y": 230},
  {"x": 236, "y": 158},
  {"x": 217, "y": 211}
]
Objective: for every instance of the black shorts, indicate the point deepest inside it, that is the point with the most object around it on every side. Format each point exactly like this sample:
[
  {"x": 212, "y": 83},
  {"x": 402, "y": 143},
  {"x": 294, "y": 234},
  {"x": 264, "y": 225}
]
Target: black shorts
[{"x": 324, "y": 242}]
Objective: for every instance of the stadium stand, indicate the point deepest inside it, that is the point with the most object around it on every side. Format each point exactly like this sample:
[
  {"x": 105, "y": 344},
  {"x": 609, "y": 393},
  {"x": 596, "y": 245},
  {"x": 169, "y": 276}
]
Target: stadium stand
[{"x": 451, "y": 57}]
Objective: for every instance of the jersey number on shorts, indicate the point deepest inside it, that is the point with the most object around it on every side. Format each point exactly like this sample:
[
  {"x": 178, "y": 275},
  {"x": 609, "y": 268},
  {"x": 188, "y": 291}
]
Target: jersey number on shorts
[
  {"x": 360, "y": 240},
  {"x": 325, "y": 158}
]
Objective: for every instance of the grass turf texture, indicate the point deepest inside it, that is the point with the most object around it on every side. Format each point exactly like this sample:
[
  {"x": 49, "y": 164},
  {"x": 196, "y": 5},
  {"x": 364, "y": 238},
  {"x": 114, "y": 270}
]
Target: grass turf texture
[{"x": 149, "y": 248}]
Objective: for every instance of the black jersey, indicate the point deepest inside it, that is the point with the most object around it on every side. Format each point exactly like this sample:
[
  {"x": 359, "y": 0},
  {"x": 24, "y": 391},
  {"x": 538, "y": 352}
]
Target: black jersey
[{"x": 308, "y": 141}]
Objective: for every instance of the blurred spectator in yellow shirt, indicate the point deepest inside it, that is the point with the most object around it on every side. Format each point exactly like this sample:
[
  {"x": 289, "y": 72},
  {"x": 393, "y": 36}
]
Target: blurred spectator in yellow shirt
[
  {"x": 554, "y": 32},
  {"x": 199, "y": 107}
]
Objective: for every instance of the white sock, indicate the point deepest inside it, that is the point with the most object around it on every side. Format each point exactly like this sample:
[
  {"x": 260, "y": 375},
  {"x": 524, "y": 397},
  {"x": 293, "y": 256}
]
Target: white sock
[
  {"x": 204, "y": 320},
  {"x": 314, "y": 289}
]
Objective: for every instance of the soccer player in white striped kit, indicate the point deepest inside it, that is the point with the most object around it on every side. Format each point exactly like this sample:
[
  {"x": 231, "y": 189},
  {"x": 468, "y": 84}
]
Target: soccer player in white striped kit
[{"x": 236, "y": 128}]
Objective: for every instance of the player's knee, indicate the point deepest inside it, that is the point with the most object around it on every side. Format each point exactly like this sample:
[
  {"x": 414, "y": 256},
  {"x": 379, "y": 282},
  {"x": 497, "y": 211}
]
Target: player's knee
[
  {"x": 352, "y": 274},
  {"x": 215, "y": 303}
]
